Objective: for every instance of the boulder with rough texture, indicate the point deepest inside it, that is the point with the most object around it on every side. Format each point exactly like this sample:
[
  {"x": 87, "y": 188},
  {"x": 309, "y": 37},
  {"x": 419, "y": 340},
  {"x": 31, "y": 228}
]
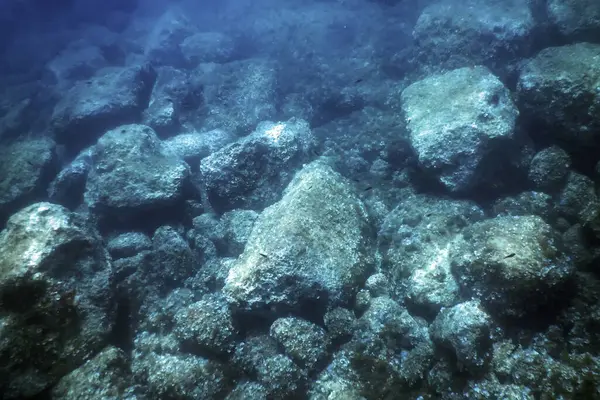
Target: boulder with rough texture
[
  {"x": 207, "y": 47},
  {"x": 56, "y": 298},
  {"x": 578, "y": 19},
  {"x": 314, "y": 247},
  {"x": 465, "y": 329},
  {"x": 558, "y": 88},
  {"x": 113, "y": 96},
  {"x": 514, "y": 265},
  {"x": 238, "y": 95},
  {"x": 457, "y": 33},
  {"x": 462, "y": 127},
  {"x": 194, "y": 146},
  {"x": 134, "y": 173},
  {"x": 26, "y": 167},
  {"x": 252, "y": 171}
]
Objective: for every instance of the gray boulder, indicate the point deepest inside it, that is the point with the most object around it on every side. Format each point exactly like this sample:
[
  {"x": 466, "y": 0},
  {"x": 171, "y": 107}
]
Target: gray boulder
[
  {"x": 303, "y": 341},
  {"x": 465, "y": 329},
  {"x": 549, "y": 169},
  {"x": 134, "y": 173},
  {"x": 238, "y": 95},
  {"x": 26, "y": 167},
  {"x": 576, "y": 19},
  {"x": 68, "y": 186},
  {"x": 113, "y": 96},
  {"x": 128, "y": 245},
  {"x": 207, "y": 47},
  {"x": 314, "y": 247},
  {"x": 104, "y": 377},
  {"x": 462, "y": 127},
  {"x": 514, "y": 265},
  {"x": 56, "y": 298},
  {"x": 194, "y": 146},
  {"x": 559, "y": 89},
  {"x": 252, "y": 172},
  {"x": 78, "y": 61},
  {"x": 459, "y": 33}
]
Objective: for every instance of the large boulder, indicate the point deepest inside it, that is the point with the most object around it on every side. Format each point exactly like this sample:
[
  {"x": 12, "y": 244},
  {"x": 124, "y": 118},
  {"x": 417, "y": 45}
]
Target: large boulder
[
  {"x": 516, "y": 265},
  {"x": 56, "y": 298},
  {"x": 576, "y": 19},
  {"x": 134, "y": 174},
  {"x": 113, "y": 96},
  {"x": 311, "y": 249},
  {"x": 26, "y": 167},
  {"x": 252, "y": 172},
  {"x": 462, "y": 127},
  {"x": 558, "y": 89},
  {"x": 458, "y": 33}
]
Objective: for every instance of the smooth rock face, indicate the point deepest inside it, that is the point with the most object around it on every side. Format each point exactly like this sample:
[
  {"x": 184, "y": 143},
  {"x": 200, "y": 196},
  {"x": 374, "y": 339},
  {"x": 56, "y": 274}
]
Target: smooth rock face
[
  {"x": 114, "y": 96},
  {"x": 252, "y": 172},
  {"x": 559, "y": 89},
  {"x": 311, "y": 248},
  {"x": 514, "y": 265},
  {"x": 464, "y": 32},
  {"x": 133, "y": 173},
  {"x": 55, "y": 297},
  {"x": 457, "y": 121}
]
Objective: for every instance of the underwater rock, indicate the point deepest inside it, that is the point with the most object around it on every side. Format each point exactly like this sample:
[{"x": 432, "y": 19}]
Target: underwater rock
[
  {"x": 414, "y": 243},
  {"x": 113, "y": 96},
  {"x": 465, "y": 329},
  {"x": 206, "y": 327},
  {"x": 26, "y": 167},
  {"x": 462, "y": 127},
  {"x": 106, "y": 376},
  {"x": 168, "y": 373},
  {"x": 575, "y": 19},
  {"x": 253, "y": 171},
  {"x": 460, "y": 33},
  {"x": 549, "y": 169},
  {"x": 514, "y": 265},
  {"x": 311, "y": 249},
  {"x": 558, "y": 88},
  {"x": 77, "y": 62},
  {"x": 304, "y": 342},
  {"x": 68, "y": 186},
  {"x": 259, "y": 357},
  {"x": 128, "y": 245},
  {"x": 194, "y": 146},
  {"x": 134, "y": 174},
  {"x": 56, "y": 298},
  {"x": 239, "y": 95},
  {"x": 207, "y": 47}
]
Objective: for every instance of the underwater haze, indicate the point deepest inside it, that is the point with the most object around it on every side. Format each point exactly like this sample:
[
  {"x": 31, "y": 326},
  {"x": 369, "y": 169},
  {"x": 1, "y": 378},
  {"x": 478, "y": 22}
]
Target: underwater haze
[{"x": 299, "y": 199}]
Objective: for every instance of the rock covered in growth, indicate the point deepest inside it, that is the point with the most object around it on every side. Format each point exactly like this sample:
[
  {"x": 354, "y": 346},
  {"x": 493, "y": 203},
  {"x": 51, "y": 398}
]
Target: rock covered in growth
[
  {"x": 173, "y": 260},
  {"x": 391, "y": 351},
  {"x": 167, "y": 373},
  {"x": 458, "y": 33},
  {"x": 206, "y": 326},
  {"x": 312, "y": 248},
  {"x": 128, "y": 245},
  {"x": 578, "y": 19},
  {"x": 207, "y": 47},
  {"x": 113, "y": 96},
  {"x": 248, "y": 390},
  {"x": 549, "y": 169},
  {"x": 303, "y": 341},
  {"x": 514, "y": 265},
  {"x": 26, "y": 167},
  {"x": 252, "y": 172},
  {"x": 104, "y": 377},
  {"x": 194, "y": 146},
  {"x": 414, "y": 242},
  {"x": 68, "y": 186},
  {"x": 259, "y": 357},
  {"x": 238, "y": 95},
  {"x": 559, "y": 88},
  {"x": 460, "y": 122},
  {"x": 133, "y": 173},
  {"x": 465, "y": 329},
  {"x": 577, "y": 200},
  {"x": 55, "y": 298}
]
